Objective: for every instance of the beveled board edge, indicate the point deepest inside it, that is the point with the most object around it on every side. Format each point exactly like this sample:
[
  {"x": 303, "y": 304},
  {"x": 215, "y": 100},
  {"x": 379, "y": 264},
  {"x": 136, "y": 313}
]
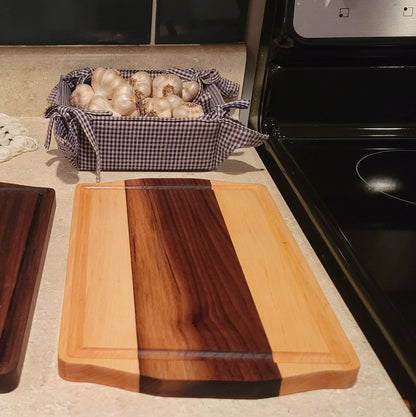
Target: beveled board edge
[{"x": 14, "y": 339}]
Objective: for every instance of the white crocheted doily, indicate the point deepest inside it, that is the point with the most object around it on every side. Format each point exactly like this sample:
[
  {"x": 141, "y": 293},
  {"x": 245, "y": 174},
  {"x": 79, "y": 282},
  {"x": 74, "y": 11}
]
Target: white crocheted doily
[{"x": 14, "y": 138}]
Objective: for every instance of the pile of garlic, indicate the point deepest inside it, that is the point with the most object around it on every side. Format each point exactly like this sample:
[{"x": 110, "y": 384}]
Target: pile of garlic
[{"x": 164, "y": 96}]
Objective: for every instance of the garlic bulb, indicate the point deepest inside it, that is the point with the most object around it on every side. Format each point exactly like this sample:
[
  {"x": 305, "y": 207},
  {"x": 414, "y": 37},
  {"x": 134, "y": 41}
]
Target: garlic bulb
[
  {"x": 142, "y": 83},
  {"x": 165, "y": 84},
  {"x": 124, "y": 99},
  {"x": 81, "y": 96},
  {"x": 157, "y": 106},
  {"x": 189, "y": 90},
  {"x": 188, "y": 111},
  {"x": 174, "y": 100},
  {"x": 100, "y": 103},
  {"x": 105, "y": 80}
]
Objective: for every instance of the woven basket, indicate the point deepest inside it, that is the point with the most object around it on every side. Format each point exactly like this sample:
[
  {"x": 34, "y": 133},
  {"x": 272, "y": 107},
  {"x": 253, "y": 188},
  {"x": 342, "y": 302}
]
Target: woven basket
[{"x": 96, "y": 141}]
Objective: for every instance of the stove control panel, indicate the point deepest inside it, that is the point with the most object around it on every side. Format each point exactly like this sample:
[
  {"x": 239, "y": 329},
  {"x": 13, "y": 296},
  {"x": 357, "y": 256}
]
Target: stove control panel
[{"x": 354, "y": 18}]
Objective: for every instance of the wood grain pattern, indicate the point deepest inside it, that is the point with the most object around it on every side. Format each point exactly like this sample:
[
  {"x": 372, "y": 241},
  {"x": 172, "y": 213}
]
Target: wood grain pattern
[
  {"x": 304, "y": 333},
  {"x": 192, "y": 288},
  {"x": 25, "y": 220},
  {"x": 196, "y": 320},
  {"x": 98, "y": 331}
]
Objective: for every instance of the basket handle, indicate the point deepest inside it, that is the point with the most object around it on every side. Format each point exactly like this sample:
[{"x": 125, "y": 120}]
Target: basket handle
[
  {"x": 233, "y": 134},
  {"x": 223, "y": 110},
  {"x": 67, "y": 113}
]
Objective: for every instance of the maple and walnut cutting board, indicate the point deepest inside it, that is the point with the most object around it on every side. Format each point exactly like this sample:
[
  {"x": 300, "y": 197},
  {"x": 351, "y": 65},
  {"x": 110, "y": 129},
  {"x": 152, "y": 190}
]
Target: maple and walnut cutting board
[
  {"x": 26, "y": 215},
  {"x": 187, "y": 287}
]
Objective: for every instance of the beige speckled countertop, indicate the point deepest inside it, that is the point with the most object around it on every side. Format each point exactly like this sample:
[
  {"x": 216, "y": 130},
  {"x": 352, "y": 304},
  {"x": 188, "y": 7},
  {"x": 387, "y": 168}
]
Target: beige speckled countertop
[
  {"x": 42, "y": 392},
  {"x": 29, "y": 73}
]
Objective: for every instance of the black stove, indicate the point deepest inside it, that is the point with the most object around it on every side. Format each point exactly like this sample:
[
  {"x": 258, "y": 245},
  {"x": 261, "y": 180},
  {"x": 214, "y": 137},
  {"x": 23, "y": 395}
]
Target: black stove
[{"x": 341, "y": 116}]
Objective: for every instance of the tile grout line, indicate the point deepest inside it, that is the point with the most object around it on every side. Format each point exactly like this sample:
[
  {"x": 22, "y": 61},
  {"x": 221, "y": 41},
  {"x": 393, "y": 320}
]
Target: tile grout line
[{"x": 153, "y": 27}]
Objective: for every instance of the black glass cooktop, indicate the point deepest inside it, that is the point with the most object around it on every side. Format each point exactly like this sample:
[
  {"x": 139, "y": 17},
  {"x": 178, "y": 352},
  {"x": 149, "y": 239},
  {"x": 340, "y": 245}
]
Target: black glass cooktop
[
  {"x": 360, "y": 196},
  {"x": 370, "y": 192}
]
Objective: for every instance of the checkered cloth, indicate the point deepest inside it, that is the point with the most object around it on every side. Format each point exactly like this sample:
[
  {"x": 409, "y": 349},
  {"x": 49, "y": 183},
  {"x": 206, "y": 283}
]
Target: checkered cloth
[{"x": 93, "y": 140}]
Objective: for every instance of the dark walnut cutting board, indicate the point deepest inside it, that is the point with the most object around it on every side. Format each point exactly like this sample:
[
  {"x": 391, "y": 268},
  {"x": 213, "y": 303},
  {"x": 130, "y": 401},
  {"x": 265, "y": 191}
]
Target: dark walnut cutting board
[
  {"x": 179, "y": 287},
  {"x": 26, "y": 215}
]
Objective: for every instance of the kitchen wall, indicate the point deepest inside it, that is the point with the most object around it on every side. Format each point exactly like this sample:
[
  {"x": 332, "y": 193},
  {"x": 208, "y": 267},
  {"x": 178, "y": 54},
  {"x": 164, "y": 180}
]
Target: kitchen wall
[
  {"x": 142, "y": 22},
  {"x": 145, "y": 34}
]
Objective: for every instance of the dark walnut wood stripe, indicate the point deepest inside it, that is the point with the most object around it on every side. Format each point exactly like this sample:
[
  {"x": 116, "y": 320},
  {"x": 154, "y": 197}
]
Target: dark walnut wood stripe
[
  {"x": 25, "y": 220},
  {"x": 16, "y": 212},
  {"x": 198, "y": 330}
]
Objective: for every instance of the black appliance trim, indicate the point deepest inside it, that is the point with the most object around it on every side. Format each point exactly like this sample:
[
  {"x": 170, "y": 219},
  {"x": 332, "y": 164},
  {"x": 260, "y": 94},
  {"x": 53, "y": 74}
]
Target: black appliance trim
[{"x": 342, "y": 266}]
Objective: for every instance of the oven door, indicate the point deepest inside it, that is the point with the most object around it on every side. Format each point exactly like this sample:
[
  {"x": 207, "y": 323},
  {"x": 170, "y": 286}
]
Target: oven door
[
  {"x": 352, "y": 187},
  {"x": 341, "y": 117}
]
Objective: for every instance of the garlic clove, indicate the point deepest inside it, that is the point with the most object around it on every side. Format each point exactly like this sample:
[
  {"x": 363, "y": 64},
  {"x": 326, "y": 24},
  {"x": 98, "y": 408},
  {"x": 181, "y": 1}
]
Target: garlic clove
[
  {"x": 174, "y": 100},
  {"x": 124, "y": 99},
  {"x": 166, "y": 84},
  {"x": 81, "y": 96},
  {"x": 99, "y": 103},
  {"x": 142, "y": 83},
  {"x": 136, "y": 113},
  {"x": 157, "y": 106},
  {"x": 188, "y": 111},
  {"x": 162, "y": 107},
  {"x": 190, "y": 89},
  {"x": 105, "y": 80},
  {"x": 147, "y": 105}
]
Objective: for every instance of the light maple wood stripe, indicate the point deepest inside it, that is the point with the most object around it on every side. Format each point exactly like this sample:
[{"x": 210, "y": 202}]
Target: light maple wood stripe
[
  {"x": 306, "y": 338},
  {"x": 191, "y": 296},
  {"x": 98, "y": 332}
]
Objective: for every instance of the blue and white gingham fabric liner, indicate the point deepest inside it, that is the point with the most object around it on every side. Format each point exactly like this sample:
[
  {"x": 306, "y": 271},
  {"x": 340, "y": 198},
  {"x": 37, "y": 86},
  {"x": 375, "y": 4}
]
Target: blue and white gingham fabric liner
[{"x": 98, "y": 141}]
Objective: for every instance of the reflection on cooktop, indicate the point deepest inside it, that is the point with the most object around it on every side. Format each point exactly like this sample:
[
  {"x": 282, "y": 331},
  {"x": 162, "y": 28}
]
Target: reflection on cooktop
[{"x": 390, "y": 172}]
